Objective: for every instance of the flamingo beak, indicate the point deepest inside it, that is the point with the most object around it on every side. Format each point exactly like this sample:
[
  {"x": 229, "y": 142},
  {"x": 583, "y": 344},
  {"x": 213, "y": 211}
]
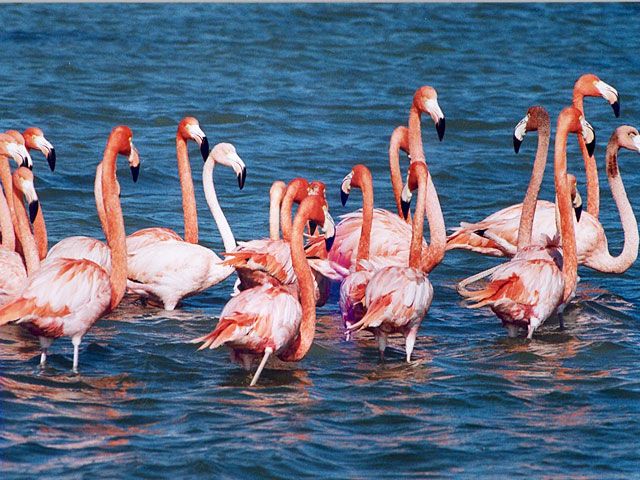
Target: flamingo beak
[
  {"x": 134, "y": 163},
  {"x": 589, "y": 136},
  {"x": 51, "y": 159},
  {"x": 616, "y": 108},
  {"x": 611, "y": 95},
  {"x": 47, "y": 150},
  {"x": 405, "y": 201},
  {"x": 329, "y": 228},
  {"x": 440, "y": 127},
  {"x": 33, "y": 210},
  {"x": 519, "y": 132},
  {"x": 431, "y": 106},
  {"x": 345, "y": 188},
  {"x": 242, "y": 176},
  {"x": 313, "y": 226},
  {"x": 204, "y": 148},
  {"x": 577, "y": 205},
  {"x": 32, "y": 199}
]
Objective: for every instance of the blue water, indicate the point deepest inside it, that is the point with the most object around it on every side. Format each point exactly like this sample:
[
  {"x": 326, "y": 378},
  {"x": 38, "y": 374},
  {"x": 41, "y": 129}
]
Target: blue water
[{"x": 311, "y": 90}]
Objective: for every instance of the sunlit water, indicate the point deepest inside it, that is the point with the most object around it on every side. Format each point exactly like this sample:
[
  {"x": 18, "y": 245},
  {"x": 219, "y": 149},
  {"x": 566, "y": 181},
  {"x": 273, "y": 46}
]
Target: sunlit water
[{"x": 311, "y": 90}]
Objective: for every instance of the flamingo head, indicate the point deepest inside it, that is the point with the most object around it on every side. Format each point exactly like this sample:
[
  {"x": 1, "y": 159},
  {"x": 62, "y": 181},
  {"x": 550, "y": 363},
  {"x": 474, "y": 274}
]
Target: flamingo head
[
  {"x": 576, "y": 199},
  {"x": 225, "y": 154},
  {"x": 536, "y": 117},
  {"x": 589, "y": 85},
  {"x": 416, "y": 171},
  {"x": 297, "y": 189},
  {"x": 121, "y": 139},
  {"x": 23, "y": 182},
  {"x": 189, "y": 129},
  {"x": 628, "y": 137},
  {"x": 426, "y": 100},
  {"x": 12, "y": 145},
  {"x": 35, "y": 140},
  {"x": 318, "y": 214},
  {"x": 358, "y": 176}
]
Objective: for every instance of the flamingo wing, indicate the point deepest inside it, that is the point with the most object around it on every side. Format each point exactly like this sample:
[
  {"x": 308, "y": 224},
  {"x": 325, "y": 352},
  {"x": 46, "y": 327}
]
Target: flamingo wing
[
  {"x": 13, "y": 276},
  {"x": 80, "y": 247},
  {"x": 149, "y": 236},
  {"x": 258, "y": 259}
]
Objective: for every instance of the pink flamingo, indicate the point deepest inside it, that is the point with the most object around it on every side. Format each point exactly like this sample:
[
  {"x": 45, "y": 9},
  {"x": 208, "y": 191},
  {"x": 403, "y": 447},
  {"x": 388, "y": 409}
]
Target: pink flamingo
[
  {"x": 353, "y": 287},
  {"x": 532, "y": 286},
  {"x": 398, "y": 297},
  {"x": 13, "y": 275},
  {"x": 391, "y": 234},
  {"x": 65, "y": 297},
  {"x": 188, "y": 129},
  {"x": 270, "y": 319},
  {"x": 501, "y": 227},
  {"x": 171, "y": 270}
]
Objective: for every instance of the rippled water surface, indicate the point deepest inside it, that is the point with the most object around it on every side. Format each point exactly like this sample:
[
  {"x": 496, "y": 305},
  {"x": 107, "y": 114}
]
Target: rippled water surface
[{"x": 311, "y": 90}]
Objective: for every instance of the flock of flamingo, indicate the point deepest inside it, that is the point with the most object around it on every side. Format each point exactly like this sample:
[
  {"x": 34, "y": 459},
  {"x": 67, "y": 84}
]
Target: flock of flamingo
[{"x": 379, "y": 256}]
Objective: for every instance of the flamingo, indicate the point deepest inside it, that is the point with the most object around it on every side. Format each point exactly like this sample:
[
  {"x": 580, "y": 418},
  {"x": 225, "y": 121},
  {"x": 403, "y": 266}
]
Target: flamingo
[
  {"x": 13, "y": 275},
  {"x": 270, "y": 319},
  {"x": 352, "y": 288},
  {"x": 398, "y": 297},
  {"x": 171, "y": 270},
  {"x": 533, "y": 285},
  {"x": 66, "y": 296},
  {"x": 504, "y": 223},
  {"x": 188, "y": 129},
  {"x": 391, "y": 234}
]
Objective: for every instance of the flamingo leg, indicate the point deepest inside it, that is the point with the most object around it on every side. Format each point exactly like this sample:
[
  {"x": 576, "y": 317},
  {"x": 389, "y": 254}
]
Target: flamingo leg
[
  {"x": 45, "y": 343},
  {"x": 410, "y": 341},
  {"x": 382, "y": 344},
  {"x": 76, "y": 350},
  {"x": 347, "y": 333},
  {"x": 530, "y": 331},
  {"x": 267, "y": 351},
  {"x": 512, "y": 330}
]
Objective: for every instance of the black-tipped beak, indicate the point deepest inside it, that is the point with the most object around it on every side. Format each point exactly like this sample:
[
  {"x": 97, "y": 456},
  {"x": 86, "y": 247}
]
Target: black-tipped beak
[
  {"x": 405, "y": 208},
  {"x": 51, "y": 159},
  {"x": 204, "y": 148},
  {"x": 344, "y": 196},
  {"x": 242, "y": 176},
  {"x": 578, "y": 212},
  {"x": 33, "y": 210},
  {"x": 616, "y": 107},
  {"x": 313, "y": 226},
  {"x": 135, "y": 171},
  {"x": 516, "y": 144},
  {"x": 26, "y": 164},
  {"x": 440, "y": 126},
  {"x": 480, "y": 233},
  {"x": 591, "y": 146},
  {"x": 328, "y": 242}
]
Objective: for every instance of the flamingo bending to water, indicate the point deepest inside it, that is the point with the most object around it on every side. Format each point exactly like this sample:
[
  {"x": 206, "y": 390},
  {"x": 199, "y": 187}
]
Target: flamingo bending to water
[
  {"x": 171, "y": 270},
  {"x": 270, "y": 319},
  {"x": 537, "y": 283},
  {"x": 66, "y": 296},
  {"x": 504, "y": 223}
]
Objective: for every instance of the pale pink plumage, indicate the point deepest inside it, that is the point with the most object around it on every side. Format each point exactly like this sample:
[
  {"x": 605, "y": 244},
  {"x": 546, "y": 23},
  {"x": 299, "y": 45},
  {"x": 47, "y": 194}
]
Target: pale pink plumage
[
  {"x": 80, "y": 247},
  {"x": 13, "y": 275}
]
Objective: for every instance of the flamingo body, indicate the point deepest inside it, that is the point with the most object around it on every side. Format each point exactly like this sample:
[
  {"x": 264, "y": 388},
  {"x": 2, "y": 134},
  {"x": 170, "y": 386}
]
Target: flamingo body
[
  {"x": 13, "y": 275},
  {"x": 80, "y": 247},
  {"x": 148, "y": 236}
]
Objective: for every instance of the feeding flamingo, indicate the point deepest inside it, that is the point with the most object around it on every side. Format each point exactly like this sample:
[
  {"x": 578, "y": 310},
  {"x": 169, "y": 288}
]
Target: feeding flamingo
[
  {"x": 270, "y": 319},
  {"x": 504, "y": 223},
  {"x": 171, "y": 270},
  {"x": 398, "y": 297},
  {"x": 66, "y": 296},
  {"x": 532, "y": 286},
  {"x": 391, "y": 234}
]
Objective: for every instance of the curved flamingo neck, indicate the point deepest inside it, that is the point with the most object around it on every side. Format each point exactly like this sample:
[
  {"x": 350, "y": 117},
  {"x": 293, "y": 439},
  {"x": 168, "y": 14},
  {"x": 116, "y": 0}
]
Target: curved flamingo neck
[
  {"x": 590, "y": 165},
  {"x": 115, "y": 233},
  {"x": 434, "y": 252},
  {"x": 7, "y": 184},
  {"x": 530, "y": 199},
  {"x": 563, "y": 200},
  {"x": 29, "y": 248},
  {"x": 399, "y": 139},
  {"x": 415, "y": 249},
  {"x": 275, "y": 201},
  {"x": 286, "y": 213},
  {"x": 6, "y": 225},
  {"x": 188, "y": 192},
  {"x": 629, "y": 254},
  {"x": 303, "y": 341},
  {"x": 228, "y": 239},
  {"x": 366, "y": 185},
  {"x": 97, "y": 193}
]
